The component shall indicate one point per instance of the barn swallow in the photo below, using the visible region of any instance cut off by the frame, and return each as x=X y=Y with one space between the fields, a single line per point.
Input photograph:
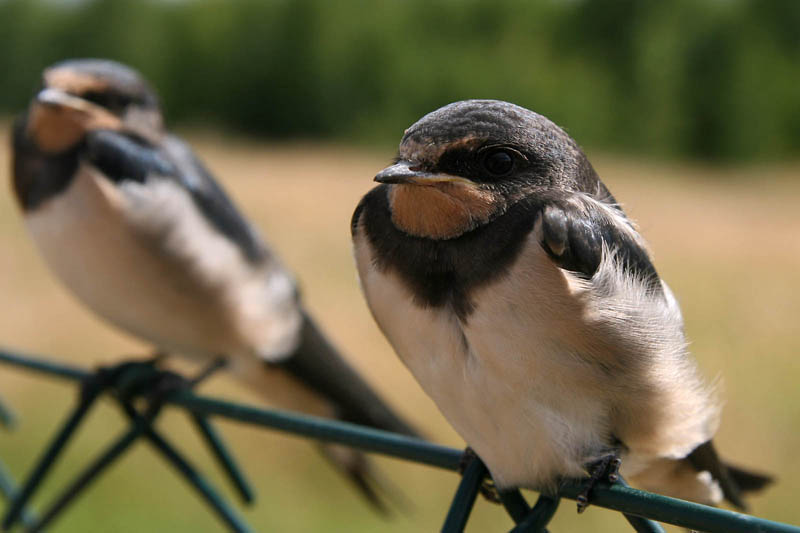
x=137 y=228
x=525 y=303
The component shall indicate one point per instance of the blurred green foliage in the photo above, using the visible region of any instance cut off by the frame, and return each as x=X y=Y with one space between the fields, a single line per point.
x=701 y=78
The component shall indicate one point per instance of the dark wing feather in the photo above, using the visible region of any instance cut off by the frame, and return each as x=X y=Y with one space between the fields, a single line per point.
x=124 y=157
x=319 y=366
x=574 y=236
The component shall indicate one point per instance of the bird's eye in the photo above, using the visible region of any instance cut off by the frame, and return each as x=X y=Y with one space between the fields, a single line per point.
x=498 y=162
x=98 y=98
x=109 y=100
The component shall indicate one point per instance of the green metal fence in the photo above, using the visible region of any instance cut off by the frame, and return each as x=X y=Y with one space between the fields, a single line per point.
x=642 y=509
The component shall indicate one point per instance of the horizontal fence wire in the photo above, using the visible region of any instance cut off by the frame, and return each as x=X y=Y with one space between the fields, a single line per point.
x=618 y=497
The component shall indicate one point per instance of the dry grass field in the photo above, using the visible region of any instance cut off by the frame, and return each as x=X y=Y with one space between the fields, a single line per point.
x=727 y=241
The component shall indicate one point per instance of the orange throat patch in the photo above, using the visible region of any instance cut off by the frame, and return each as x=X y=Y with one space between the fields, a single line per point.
x=441 y=211
x=56 y=128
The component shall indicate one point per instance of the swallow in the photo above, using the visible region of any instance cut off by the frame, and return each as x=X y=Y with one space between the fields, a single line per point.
x=526 y=304
x=134 y=224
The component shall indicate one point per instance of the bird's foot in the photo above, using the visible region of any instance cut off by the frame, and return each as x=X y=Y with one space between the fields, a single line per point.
x=607 y=468
x=127 y=375
x=142 y=378
x=487 y=489
x=154 y=388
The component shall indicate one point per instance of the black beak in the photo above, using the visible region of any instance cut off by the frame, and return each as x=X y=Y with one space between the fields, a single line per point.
x=400 y=172
x=57 y=98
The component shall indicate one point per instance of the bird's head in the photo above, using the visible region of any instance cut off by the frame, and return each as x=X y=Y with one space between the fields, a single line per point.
x=80 y=95
x=466 y=163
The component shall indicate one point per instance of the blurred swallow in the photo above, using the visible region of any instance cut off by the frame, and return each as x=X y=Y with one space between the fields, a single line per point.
x=524 y=301
x=138 y=229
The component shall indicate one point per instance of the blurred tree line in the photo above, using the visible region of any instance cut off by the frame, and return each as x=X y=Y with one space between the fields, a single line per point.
x=701 y=78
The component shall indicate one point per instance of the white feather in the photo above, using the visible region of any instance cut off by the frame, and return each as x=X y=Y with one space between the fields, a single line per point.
x=549 y=368
x=143 y=257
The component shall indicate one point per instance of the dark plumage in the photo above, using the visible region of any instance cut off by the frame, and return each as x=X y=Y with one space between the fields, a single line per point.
x=36 y=176
x=442 y=273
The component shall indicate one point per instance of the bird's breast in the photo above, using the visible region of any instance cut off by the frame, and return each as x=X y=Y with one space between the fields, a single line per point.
x=142 y=257
x=505 y=377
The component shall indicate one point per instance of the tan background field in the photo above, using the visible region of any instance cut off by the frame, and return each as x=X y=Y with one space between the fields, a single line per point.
x=727 y=240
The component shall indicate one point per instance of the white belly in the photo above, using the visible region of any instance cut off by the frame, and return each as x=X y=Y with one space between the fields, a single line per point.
x=505 y=379
x=145 y=259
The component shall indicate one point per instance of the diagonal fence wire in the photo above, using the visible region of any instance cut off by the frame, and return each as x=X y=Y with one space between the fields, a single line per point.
x=8 y=488
x=123 y=381
x=640 y=508
x=7 y=416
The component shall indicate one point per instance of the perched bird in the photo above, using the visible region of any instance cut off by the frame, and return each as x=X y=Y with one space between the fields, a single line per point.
x=524 y=301
x=138 y=229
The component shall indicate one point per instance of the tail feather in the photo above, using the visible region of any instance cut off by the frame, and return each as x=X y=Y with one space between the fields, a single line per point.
x=747 y=480
x=358 y=469
x=733 y=480
x=318 y=366
x=376 y=488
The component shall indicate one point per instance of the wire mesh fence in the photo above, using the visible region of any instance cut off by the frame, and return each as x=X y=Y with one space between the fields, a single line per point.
x=124 y=383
